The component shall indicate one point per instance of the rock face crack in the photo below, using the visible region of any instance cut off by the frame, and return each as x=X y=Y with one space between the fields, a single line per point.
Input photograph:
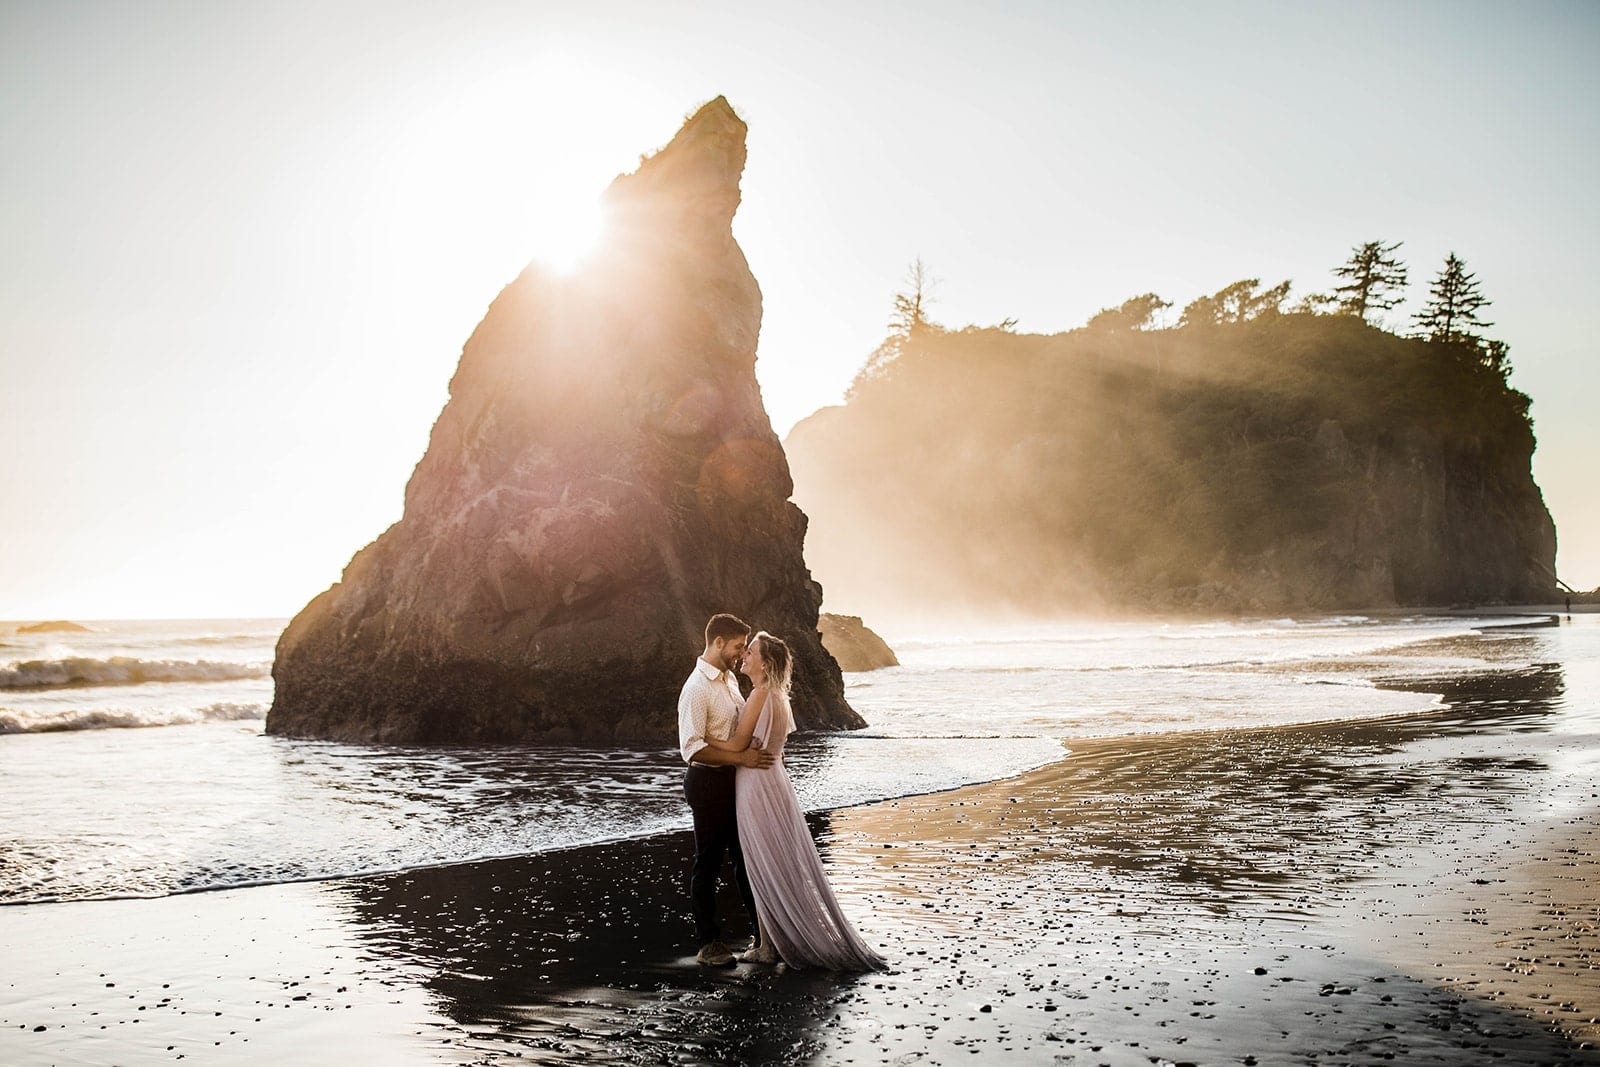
x=603 y=478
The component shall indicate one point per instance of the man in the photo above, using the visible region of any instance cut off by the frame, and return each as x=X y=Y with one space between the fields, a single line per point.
x=709 y=707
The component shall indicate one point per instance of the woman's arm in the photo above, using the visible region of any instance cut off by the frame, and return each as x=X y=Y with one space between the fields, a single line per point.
x=754 y=756
x=747 y=725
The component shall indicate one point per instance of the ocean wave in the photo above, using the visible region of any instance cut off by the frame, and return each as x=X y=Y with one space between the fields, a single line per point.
x=13 y=721
x=76 y=671
x=229 y=639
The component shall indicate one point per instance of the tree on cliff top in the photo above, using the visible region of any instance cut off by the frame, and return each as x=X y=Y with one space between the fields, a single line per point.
x=908 y=322
x=1496 y=355
x=1454 y=301
x=1316 y=304
x=1376 y=279
x=1239 y=302
x=910 y=316
x=1135 y=313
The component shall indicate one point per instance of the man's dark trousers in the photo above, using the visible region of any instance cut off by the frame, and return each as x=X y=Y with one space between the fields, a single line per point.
x=709 y=791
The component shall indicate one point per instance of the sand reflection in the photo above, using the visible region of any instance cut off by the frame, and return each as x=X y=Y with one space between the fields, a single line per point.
x=587 y=953
x=1244 y=822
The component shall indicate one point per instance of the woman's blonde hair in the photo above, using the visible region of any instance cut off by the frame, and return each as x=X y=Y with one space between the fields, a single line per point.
x=780 y=662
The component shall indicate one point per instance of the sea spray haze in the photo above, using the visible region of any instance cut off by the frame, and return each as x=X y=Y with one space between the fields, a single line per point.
x=602 y=480
x=1287 y=463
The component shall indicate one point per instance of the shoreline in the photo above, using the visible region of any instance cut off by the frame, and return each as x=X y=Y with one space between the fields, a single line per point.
x=1363 y=890
x=821 y=811
x=1369 y=673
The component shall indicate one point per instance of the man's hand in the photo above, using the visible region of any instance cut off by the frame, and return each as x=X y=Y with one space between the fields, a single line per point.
x=755 y=756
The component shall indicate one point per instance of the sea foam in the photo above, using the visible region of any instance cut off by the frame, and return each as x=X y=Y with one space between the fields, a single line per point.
x=17 y=721
x=122 y=670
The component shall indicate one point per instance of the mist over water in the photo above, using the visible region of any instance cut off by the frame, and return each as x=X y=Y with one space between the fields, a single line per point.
x=1098 y=679
x=211 y=801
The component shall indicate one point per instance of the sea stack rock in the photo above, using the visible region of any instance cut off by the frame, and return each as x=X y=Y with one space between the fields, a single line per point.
x=54 y=626
x=853 y=644
x=602 y=480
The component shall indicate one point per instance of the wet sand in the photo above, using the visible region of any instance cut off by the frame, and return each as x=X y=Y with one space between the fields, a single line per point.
x=1420 y=889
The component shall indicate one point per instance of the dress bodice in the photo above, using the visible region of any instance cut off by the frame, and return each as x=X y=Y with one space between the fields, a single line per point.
x=775 y=723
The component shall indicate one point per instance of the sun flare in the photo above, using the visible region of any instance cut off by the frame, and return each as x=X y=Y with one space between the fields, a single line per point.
x=507 y=169
x=564 y=235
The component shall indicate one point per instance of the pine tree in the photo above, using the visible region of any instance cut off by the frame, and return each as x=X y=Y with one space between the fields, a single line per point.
x=1454 y=301
x=1376 y=279
x=908 y=321
x=910 y=315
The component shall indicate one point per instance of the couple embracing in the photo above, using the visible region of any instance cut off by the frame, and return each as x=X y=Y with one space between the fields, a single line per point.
x=744 y=805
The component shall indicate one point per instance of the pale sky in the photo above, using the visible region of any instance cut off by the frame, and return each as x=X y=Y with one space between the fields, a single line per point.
x=241 y=244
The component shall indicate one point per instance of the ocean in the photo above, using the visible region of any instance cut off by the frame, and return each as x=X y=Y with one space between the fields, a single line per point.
x=134 y=762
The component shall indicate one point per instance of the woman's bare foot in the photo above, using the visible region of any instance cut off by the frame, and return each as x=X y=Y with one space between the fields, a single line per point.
x=760 y=954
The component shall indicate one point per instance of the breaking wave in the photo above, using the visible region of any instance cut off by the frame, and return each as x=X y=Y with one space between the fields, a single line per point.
x=13 y=721
x=122 y=670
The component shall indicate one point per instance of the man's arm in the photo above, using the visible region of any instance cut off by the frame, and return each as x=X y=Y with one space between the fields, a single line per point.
x=691 y=723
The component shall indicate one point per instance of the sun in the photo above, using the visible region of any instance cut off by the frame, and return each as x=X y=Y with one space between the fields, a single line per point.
x=563 y=234
x=508 y=166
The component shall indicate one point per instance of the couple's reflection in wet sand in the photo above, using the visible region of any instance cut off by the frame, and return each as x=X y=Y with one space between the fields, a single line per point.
x=586 y=952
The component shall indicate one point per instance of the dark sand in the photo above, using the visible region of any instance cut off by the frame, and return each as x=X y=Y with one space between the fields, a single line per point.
x=1420 y=889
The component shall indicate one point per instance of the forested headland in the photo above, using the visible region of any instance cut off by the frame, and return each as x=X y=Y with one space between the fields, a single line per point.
x=1255 y=455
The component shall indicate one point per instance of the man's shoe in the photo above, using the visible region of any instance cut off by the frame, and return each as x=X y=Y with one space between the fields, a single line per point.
x=715 y=954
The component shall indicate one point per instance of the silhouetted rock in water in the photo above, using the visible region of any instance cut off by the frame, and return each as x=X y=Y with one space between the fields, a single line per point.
x=855 y=647
x=603 y=479
x=1292 y=462
x=54 y=626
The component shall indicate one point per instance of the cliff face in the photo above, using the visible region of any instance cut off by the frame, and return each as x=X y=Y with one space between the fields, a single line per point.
x=1296 y=462
x=602 y=479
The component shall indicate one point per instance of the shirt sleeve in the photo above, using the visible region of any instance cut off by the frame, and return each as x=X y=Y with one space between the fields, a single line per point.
x=691 y=721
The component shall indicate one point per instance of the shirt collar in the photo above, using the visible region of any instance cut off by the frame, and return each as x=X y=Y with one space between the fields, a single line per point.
x=707 y=671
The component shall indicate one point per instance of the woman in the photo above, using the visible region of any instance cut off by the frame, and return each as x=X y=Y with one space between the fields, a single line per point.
x=799 y=918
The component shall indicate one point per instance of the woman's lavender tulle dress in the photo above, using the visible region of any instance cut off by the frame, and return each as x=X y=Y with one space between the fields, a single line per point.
x=798 y=910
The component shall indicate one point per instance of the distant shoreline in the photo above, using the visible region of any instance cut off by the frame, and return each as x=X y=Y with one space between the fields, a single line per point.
x=1590 y=603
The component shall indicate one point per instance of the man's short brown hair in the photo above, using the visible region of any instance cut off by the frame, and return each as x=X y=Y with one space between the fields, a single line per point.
x=726 y=626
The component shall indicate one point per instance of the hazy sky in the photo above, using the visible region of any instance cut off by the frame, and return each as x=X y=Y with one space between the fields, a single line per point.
x=242 y=244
